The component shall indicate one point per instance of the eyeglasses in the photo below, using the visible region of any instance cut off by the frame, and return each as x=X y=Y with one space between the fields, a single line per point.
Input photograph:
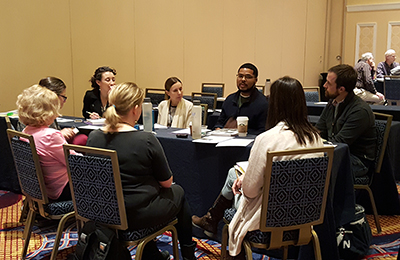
x=64 y=97
x=247 y=76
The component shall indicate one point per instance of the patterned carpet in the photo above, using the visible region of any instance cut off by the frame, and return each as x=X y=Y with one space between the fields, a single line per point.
x=385 y=245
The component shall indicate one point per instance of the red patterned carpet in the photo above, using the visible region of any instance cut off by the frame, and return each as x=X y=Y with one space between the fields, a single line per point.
x=385 y=245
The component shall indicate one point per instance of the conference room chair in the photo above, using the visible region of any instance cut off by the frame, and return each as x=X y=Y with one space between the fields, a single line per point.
x=206 y=98
x=312 y=94
x=382 y=124
x=97 y=195
x=204 y=113
x=294 y=200
x=217 y=88
x=156 y=95
x=33 y=187
x=261 y=88
x=392 y=89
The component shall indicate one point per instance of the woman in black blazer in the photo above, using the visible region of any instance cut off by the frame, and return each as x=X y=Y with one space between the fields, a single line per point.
x=95 y=101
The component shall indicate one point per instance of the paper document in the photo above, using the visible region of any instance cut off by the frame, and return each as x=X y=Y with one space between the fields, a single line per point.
x=64 y=120
x=225 y=132
x=182 y=131
x=241 y=167
x=238 y=142
x=212 y=139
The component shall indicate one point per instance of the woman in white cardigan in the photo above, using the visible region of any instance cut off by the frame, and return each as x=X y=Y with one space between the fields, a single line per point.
x=288 y=128
x=176 y=111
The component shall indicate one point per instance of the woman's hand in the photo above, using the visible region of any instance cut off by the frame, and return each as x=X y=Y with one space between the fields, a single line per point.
x=237 y=185
x=68 y=133
x=94 y=115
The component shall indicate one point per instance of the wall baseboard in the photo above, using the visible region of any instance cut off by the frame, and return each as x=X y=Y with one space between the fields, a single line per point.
x=373 y=7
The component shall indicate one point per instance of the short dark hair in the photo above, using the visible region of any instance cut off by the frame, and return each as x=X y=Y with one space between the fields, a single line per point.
x=98 y=73
x=170 y=82
x=250 y=66
x=346 y=76
x=54 y=84
x=287 y=103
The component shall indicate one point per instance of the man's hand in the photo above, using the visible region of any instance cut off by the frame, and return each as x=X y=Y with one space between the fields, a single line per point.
x=381 y=97
x=237 y=185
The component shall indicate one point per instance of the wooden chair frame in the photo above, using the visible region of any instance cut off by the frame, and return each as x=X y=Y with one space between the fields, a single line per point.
x=378 y=166
x=221 y=85
x=36 y=205
x=195 y=94
x=306 y=232
x=120 y=198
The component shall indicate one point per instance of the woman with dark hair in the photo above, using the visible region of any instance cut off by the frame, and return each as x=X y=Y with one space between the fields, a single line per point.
x=150 y=196
x=95 y=101
x=288 y=128
x=60 y=89
x=176 y=111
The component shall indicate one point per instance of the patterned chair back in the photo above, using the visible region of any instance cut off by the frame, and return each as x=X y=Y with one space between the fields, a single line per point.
x=96 y=186
x=312 y=96
x=217 y=88
x=155 y=95
x=382 y=124
x=206 y=98
x=295 y=193
x=28 y=166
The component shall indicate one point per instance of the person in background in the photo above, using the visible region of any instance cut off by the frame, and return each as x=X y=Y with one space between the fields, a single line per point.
x=95 y=101
x=288 y=128
x=38 y=107
x=365 y=87
x=386 y=66
x=247 y=101
x=58 y=86
x=150 y=196
x=348 y=119
x=176 y=111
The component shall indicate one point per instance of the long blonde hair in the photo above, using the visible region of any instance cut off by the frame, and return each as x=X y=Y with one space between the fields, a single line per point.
x=38 y=106
x=122 y=98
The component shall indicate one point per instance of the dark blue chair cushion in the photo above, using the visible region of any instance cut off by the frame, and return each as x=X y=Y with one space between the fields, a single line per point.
x=311 y=96
x=59 y=208
x=132 y=235
x=257 y=236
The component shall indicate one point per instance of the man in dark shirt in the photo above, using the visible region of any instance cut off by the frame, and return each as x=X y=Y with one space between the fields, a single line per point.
x=386 y=66
x=247 y=101
x=348 y=119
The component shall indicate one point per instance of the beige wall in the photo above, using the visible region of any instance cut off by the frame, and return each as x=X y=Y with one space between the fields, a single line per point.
x=149 y=40
x=379 y=17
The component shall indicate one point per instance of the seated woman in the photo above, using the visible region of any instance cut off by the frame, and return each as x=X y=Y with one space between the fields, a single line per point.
x=95 y=101
x=288 y=128
x=38 y=108
x=176 y=111
x=150 y=196
x=57 y=86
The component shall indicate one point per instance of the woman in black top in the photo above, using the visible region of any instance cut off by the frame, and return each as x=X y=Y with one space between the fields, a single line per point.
x=95 y=101
x=150 y=197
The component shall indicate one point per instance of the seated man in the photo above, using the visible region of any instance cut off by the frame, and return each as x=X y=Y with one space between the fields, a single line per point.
x=348 y=119
x=386 y=66
x=365 y=87
x=247 y=101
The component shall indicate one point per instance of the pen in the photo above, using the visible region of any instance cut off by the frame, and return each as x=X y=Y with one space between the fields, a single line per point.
x=90 y=113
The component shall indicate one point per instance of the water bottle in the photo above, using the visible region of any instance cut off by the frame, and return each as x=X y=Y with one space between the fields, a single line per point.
x=196 y=120
x=147 y=115
x=267 y=87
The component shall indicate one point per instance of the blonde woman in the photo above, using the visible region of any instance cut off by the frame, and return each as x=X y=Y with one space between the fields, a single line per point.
x=150 y=196
x=38 y=107
x=176 y=111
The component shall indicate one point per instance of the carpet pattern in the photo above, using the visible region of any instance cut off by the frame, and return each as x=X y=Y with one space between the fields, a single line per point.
x=384 y=245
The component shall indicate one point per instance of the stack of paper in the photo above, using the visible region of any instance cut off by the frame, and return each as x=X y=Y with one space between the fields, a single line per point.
x=241 y=167
x=225 y=132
